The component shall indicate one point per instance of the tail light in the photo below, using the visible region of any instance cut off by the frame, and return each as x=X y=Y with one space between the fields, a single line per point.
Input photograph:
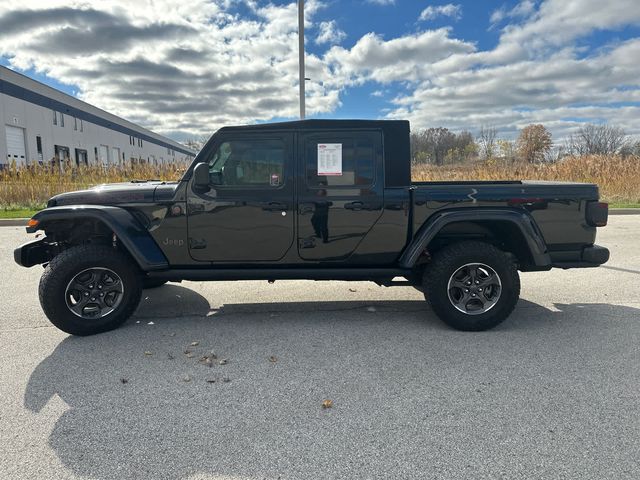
x=597 y=214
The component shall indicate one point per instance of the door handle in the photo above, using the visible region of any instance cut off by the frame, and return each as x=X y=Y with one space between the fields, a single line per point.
x=354 y=205
x=275 y=207
x=306 y=208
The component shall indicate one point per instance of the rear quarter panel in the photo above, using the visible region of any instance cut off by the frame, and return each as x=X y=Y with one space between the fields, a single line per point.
x=557 y=208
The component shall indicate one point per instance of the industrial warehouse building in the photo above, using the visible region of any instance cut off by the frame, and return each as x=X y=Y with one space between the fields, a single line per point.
x=41 y=125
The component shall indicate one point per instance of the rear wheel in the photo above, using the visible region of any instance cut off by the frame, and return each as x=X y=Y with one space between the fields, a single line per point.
x=89 y=289
x=472 y=286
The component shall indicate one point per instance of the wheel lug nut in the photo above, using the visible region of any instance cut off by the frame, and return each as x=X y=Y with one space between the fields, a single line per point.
x=473 y=294
x=99 y=286
x=86 y=294
x=477 y=282
x=466 y=290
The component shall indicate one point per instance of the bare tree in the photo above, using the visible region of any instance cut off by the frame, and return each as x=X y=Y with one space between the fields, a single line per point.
x=534 y=143
x=196 y=144
x=594 y=139
x=487 y=141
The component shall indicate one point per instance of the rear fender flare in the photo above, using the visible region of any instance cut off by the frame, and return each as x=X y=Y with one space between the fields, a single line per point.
x=522 y=220
x=130 y=233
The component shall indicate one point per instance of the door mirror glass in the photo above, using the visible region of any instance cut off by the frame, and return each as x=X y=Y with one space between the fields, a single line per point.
x=201 y=177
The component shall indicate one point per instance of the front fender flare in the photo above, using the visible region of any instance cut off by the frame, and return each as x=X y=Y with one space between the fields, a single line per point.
x=131 y=234
x=527 y=226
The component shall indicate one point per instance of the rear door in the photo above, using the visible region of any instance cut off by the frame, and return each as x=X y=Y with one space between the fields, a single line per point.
x=340 y=191
x=248 y=215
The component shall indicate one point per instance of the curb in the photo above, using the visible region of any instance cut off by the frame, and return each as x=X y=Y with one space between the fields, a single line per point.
x=624 y=211
x=13 y=222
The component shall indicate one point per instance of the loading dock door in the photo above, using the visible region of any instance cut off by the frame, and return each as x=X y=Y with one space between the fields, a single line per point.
x=104 y=155
x=15 y=145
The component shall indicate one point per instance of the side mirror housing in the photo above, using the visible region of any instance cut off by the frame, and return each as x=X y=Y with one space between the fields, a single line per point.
x=201 y=177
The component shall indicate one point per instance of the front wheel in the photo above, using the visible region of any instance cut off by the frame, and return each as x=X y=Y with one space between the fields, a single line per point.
x=472 y=286
x=89 y=289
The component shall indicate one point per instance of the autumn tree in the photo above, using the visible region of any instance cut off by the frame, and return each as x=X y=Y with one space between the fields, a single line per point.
x=534 y=143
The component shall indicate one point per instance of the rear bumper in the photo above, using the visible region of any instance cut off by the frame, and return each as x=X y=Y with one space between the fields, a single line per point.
x=592 y=256
x=32 y=253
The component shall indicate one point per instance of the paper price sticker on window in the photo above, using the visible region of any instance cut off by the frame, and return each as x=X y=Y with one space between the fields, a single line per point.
x=329 y=159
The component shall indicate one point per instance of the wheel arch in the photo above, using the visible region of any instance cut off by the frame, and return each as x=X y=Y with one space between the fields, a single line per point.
x=100 y=220
x=510 y=230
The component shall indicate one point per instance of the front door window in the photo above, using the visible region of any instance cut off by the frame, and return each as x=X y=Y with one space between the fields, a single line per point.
x=249 y=163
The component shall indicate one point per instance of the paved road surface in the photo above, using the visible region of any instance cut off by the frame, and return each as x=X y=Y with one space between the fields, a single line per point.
x=552 y=393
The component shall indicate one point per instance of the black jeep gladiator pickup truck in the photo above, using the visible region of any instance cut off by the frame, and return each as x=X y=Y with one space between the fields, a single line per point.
x=317 y=200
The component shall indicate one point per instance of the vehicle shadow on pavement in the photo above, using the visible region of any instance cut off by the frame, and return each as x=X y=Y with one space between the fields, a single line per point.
x=409 y=395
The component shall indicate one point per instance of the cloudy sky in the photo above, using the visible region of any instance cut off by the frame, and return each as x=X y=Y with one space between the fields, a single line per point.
x=186 y=67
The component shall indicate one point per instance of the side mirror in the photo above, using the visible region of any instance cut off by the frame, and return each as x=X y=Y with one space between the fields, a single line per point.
x=215 y=178
x=201 y=177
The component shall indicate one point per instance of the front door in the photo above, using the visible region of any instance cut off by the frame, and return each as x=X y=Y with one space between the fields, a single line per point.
x=248 y=215
x=340 y=197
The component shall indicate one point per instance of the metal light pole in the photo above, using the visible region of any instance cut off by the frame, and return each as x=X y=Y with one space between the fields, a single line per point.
x=301 y=56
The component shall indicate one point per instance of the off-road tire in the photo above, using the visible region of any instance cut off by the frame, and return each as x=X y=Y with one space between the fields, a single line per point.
x=65 y=266
x=451 y=258
x=148 y=283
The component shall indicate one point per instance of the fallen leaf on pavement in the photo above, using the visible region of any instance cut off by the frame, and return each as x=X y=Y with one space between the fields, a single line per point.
x=224 y=361
x=327 y=404
x=186 y=379
x=148 y=353
x=195 y=344
x=273 y=359
x=211 y=380
x=124 y=380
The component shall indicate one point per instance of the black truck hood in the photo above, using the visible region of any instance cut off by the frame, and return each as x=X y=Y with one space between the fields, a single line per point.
x=111 y=194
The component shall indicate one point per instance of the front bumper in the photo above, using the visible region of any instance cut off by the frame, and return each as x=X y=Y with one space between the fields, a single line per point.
x=592 y=256
x=32 y=253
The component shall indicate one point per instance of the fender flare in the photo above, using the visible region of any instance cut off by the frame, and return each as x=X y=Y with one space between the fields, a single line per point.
x=522 y=220
x=131 y=234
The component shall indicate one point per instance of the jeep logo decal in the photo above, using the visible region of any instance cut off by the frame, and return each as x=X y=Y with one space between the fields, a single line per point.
x=171 y=242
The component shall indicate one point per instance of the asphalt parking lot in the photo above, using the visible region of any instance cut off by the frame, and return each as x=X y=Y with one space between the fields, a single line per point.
x=553 y=392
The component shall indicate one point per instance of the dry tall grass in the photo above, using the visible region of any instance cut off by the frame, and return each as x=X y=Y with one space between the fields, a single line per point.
x=31 y=187
x=617 y=177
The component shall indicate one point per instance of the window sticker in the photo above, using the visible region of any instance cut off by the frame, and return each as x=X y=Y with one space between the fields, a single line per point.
x=275 y=180
x=330 y=159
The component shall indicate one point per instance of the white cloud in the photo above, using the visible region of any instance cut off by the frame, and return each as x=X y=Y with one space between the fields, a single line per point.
x=448 y=10
x=180 y=68
x=535 y=74
x=407 y=58
x=188 y=69
x=521 y=10
x=329 y=33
